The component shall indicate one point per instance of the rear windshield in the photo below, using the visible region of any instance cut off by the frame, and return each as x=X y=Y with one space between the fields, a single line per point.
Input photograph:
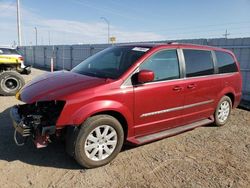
x=8 y=51
x=111 y=62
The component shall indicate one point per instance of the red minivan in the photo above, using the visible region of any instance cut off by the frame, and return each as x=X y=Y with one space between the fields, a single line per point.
x=129 y=93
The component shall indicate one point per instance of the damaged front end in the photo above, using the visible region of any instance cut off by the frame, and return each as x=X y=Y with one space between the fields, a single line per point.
x=36 y=120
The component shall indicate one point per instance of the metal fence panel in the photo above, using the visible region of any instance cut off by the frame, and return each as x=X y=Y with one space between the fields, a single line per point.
x=68 y=56
x=63 y=57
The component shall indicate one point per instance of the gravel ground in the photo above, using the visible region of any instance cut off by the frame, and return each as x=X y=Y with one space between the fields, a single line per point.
x=205 y=157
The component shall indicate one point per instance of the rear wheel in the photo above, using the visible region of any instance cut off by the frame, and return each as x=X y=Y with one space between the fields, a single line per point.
x=223 y=111
x=10 y=83
x=99 y=141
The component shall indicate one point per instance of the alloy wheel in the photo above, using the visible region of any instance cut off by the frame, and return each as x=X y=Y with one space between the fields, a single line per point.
x=223 y=112
x=101 y=143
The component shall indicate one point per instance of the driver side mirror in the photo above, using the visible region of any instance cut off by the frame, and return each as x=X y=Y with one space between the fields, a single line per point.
x=145 y=76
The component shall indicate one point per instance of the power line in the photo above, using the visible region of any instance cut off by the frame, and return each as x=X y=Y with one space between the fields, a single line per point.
x=191 y=28
x=7 y=7
x=208 y=30
x=245 y=34
x=114 y=12
x=107 y=10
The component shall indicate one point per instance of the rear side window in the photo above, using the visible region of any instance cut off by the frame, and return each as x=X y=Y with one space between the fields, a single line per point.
x=164 y=64
x=225 y=62
x=198 y=62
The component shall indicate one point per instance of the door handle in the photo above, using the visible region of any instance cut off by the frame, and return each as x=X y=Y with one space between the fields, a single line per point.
x=191 y=86
x=177 y=88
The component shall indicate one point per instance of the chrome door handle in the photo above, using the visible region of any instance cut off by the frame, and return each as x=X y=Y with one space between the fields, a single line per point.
x=191 y=86
x=177 y=88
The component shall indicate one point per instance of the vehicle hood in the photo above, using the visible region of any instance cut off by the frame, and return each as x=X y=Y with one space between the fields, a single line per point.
x=54 y=86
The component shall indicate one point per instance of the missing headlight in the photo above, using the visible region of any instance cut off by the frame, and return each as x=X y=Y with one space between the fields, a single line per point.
x=37 y=120
x=42 y=114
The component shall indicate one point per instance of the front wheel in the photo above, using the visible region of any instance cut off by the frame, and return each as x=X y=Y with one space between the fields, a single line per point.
x=223 y=111
x=99 y=141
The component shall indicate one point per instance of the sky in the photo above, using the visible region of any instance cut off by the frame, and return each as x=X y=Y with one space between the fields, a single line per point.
x=79 y=21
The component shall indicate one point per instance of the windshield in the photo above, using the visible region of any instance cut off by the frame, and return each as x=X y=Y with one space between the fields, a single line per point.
x=111 y=62
x=8 y=51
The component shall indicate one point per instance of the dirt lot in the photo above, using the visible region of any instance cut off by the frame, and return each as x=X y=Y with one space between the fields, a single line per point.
x=205 y=157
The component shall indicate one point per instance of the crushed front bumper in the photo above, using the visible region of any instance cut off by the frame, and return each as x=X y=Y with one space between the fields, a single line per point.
x=18 y=123
x=41 y=137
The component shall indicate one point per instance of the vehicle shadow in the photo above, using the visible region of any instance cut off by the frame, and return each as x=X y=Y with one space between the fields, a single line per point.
x=52 y=156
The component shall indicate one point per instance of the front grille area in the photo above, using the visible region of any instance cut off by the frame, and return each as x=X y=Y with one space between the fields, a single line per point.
x=41 y=114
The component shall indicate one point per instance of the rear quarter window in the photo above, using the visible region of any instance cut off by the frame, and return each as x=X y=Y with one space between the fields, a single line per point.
x=225 y=62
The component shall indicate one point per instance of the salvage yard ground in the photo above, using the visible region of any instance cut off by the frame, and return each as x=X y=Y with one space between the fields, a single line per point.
x=205 y=157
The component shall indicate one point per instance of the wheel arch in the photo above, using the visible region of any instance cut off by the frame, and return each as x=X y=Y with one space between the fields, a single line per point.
x=113 y=108
x=73 y=131
x=231 y=96
x=228 y=91
x=122 y=120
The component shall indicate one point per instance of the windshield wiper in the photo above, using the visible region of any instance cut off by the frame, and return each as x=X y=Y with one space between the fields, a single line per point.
x=94 y=74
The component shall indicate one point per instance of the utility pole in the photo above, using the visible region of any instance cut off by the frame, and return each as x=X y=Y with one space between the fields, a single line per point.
x=49 y=37
x=36 y=35
x=19 y=24
x=106 y=20
x=226 y=34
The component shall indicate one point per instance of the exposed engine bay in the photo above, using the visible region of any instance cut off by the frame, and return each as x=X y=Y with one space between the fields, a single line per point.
x=36 y=120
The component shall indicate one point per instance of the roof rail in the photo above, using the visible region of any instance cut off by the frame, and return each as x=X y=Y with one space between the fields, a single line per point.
x=172 y=42
x=9 y=47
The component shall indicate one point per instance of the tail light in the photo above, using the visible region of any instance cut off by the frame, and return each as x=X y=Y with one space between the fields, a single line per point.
x=20 y=58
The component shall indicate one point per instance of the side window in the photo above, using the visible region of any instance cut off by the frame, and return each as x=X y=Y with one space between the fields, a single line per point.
x=164 y=64
x=225 y=62
x=198 y=62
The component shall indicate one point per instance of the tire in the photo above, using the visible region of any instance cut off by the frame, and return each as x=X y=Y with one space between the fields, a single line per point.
x=26 y=70
x=10 y=83
x=103 y=148
x=223 y=111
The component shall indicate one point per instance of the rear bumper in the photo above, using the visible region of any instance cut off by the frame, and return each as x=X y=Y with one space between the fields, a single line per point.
x=237 y=99
x=26 y=70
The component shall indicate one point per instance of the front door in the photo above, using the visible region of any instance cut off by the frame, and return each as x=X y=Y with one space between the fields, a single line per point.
x=158 y=103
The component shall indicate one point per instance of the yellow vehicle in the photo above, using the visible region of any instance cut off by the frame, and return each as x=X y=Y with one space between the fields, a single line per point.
x=11 y=66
